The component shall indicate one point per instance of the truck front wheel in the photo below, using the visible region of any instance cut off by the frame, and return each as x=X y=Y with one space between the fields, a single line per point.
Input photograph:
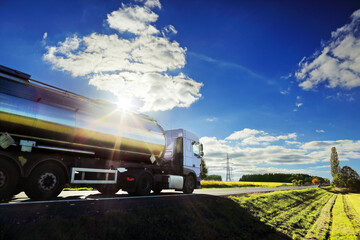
x=9 y=178
x=144 y=184
x=45 y=182
x=189 y=184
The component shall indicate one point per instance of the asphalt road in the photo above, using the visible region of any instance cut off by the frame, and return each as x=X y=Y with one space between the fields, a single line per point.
x=76 y=196
x=72 y=204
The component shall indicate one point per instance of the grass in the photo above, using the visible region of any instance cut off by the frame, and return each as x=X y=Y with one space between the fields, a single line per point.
x=318 y=213
x=321 y=229
x=207 y=184
x=219 y=184
x=291 y=212
x=78 y=189
x=352 y=210
x=341 y=227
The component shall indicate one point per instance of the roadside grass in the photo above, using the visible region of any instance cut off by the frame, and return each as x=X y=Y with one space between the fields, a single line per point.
x=191 y=218
x=317 y=213
x=219 y=184
x=321 y=229
x=290 y=212
x=78 y=189
x=352 y=210
x=341 y=227
x=207 y=184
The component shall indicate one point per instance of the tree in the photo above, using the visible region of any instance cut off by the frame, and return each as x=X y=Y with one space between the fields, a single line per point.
x=203 y=170
x=315 y=181
x=294 y=182
x=338 y=180
x=334 y=162
x=214 y=178
x=351 y=178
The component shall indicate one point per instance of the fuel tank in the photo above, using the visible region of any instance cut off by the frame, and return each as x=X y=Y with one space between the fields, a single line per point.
x=31 y=110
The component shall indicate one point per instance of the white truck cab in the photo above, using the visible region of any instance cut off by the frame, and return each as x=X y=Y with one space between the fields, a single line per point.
x=191 y=150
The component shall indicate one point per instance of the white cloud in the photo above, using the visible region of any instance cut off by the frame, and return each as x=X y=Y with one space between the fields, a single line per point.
x=256 y=137
x=256 y=159
x=287 y=76
x=338 y=63
x=153 y=4
x=177 y=90
x=342 y=97
x=133 y=19
x=45 y=35
x=211 y=119
x=299 y=104
x=319 y=131
x=135 y=68
x=293 y=142
x=169 y=29
x=245 y=133
x=285 y=92
x=322 y=166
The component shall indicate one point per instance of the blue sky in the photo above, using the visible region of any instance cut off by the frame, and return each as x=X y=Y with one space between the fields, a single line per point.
x=274 y=84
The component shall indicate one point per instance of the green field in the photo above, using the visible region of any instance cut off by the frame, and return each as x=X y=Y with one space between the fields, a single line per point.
x=307 y=214
x=219 y=184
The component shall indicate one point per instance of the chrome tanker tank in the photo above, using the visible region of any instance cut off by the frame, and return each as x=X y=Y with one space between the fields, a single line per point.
x=58 y=119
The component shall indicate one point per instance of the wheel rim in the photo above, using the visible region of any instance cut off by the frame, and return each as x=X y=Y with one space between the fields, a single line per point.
x=2 y=178
x=47 y=181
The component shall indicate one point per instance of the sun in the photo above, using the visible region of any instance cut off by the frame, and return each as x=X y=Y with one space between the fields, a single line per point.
x=124 y=103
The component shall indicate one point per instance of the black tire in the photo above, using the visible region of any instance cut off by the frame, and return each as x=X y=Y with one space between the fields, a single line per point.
x=132 y=193
x=19 y=188
x=189 y=184
x=157 y=189
x=9 y=178
x=108 y=189
x=144 y=184
x=45 y=182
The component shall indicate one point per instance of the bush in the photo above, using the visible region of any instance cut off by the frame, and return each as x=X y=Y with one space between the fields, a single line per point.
x=213 y=177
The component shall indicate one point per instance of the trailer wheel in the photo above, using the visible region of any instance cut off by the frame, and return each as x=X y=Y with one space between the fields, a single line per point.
x=157 y=189
x=132 y=193
x=9 y=178
x=189 y=184
x=108 y=189
x=144 y=184
x=45 y=182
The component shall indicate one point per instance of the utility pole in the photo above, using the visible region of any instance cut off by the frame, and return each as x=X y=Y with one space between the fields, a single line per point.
x=228 y=168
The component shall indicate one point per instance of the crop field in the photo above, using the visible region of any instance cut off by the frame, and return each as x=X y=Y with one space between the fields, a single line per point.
x=307 y=214
x=218 y=184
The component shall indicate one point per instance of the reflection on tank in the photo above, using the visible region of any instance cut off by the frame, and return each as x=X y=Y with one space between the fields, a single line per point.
x=67 y=120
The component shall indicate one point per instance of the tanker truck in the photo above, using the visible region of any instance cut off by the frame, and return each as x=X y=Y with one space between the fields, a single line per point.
x=50 y=137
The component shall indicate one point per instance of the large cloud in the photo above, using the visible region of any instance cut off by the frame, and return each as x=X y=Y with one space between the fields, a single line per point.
x=137 y=67
x=249 y=158
x=338 y=63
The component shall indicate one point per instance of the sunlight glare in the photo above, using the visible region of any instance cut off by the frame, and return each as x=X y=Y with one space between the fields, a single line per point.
x=124 y=103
